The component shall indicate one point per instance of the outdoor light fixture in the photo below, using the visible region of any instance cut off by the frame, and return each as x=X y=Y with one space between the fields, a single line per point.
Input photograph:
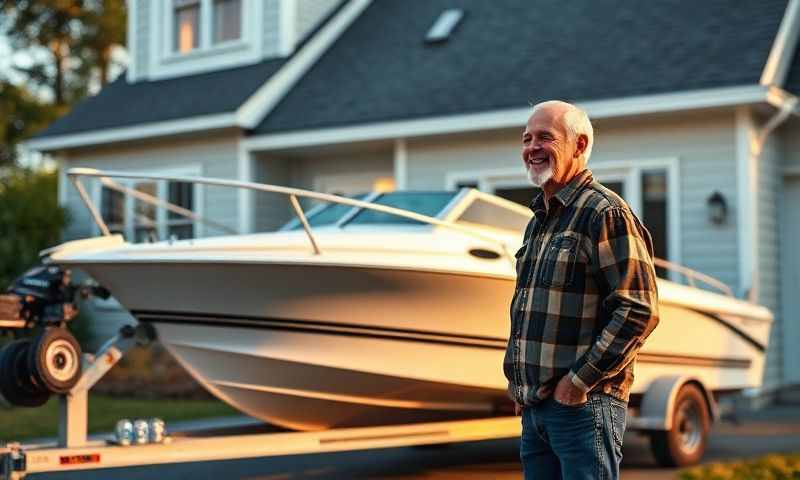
x=717 y=208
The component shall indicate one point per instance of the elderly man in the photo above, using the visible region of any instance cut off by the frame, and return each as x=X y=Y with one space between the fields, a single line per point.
x=585 y=302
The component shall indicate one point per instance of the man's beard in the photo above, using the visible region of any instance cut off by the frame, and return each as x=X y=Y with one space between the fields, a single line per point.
x=539 y=179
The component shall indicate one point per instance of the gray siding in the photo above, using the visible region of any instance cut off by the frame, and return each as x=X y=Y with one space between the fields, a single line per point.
x=790 y=137
x=272 y=25
x=271 y=210
x=215 y=155
x=704 y=146
x=309 y=13
x=345 y=173
x=769 y=186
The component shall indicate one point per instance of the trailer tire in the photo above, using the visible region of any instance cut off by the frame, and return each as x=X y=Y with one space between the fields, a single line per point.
x=54 y=359
x=16 y=383
x=685 y=442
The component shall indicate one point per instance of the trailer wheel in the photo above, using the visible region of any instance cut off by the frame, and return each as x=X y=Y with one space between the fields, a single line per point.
x=55 y=360
x=16 y=382
x=685 y=442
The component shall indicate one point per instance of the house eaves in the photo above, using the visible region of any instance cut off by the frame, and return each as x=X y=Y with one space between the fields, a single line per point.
x=245 y=116
x=515 y=117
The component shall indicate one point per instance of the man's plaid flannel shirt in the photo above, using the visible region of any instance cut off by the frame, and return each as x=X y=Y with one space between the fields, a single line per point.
x=586 y=295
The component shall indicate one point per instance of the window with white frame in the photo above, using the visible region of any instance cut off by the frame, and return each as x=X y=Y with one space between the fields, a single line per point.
x=227 y=19
x=650 y=187
x=142 y=221
x=186 y=25
x=193 y=18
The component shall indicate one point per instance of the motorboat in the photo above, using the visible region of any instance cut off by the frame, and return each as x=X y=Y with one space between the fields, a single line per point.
x=382 y=308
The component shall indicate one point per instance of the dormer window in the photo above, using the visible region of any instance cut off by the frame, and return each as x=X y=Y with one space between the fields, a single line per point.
x=203 y=24
x=187 y=25
x=227 y=20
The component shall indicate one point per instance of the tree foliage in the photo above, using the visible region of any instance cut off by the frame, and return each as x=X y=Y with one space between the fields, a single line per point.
x=69 y=45
x=21 y=115
x=30 y=220
x=77 y=37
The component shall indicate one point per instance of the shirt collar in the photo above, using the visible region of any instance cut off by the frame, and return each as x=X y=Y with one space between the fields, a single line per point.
x=567 y=194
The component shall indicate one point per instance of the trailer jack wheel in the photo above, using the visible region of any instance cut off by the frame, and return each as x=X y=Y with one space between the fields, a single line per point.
x=16 y=381
x=685 y=442
x=54 y=359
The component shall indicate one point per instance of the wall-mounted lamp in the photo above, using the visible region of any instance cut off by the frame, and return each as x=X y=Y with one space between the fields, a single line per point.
x=717 y=208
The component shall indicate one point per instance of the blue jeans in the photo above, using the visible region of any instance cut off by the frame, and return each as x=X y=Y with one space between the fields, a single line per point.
x=575 y=443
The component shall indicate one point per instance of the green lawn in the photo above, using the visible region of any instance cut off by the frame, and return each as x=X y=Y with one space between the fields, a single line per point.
x=24 y=423
x=768 y=467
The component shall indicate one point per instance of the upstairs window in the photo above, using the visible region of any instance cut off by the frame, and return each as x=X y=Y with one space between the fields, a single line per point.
x=227 y=20
x=203 y=24
x=187 y=25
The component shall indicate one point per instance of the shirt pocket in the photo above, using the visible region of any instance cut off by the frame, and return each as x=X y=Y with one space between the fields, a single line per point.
x=558 y=261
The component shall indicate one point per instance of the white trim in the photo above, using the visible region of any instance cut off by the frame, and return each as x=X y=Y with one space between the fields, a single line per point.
x=63 y=183
x=401 y=164
x=287 y=27
x=130 y=39
x=253 y=111
x=627 y=171
x=111 y=135
x=782 y=52
x=746 y=178
x=246 y=199
x=258 y=105
x=164 y=62
x=510 y=118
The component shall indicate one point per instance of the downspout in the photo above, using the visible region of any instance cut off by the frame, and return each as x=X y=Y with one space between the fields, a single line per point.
x=788 y=105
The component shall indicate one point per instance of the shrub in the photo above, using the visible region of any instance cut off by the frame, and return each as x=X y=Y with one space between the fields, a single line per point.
x=30 y=220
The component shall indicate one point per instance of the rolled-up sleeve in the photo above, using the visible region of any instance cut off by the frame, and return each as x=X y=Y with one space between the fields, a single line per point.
x=624 y=267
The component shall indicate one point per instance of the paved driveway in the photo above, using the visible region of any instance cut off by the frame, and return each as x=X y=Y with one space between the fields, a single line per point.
x=775 y=430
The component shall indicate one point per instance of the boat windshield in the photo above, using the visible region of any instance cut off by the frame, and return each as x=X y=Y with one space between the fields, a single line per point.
x=327 y=214
x=425 y=203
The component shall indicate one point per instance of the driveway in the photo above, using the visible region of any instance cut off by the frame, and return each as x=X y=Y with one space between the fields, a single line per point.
x=773 y=430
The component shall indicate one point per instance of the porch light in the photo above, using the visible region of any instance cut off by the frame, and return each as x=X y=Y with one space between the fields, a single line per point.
x=717 y=208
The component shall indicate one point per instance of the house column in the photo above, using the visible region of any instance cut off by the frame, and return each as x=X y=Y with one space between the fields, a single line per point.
x=400 y=164
x=246 y=196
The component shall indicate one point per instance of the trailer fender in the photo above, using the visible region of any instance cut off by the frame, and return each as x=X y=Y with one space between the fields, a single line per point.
x=655 y=412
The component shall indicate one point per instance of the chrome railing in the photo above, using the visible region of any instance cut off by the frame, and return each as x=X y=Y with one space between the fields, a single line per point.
x=75 y=175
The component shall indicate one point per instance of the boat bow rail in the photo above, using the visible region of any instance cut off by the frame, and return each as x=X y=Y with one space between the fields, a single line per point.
x=75 y=174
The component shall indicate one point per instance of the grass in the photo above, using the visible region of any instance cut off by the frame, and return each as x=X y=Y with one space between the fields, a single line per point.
x=768 y=467
x=26 y=423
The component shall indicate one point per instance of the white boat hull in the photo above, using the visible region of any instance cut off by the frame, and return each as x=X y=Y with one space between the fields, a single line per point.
x=311 y=346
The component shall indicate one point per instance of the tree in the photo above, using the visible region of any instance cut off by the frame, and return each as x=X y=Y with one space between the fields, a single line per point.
x=104 y=28
x=77 y=37
x=30 y=220
x=21 y=115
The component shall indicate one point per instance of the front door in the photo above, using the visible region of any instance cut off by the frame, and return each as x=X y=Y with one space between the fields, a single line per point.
x=790 y=280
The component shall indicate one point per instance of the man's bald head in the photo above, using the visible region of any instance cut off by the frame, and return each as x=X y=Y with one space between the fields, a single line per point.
x=574 y=120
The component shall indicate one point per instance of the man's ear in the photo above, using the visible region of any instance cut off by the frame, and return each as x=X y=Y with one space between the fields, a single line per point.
x=580 y=145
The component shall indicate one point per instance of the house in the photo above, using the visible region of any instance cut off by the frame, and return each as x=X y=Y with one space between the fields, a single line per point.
x=694 y=105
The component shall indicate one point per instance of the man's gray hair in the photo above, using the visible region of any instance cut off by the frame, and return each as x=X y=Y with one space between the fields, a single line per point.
x=576 y=121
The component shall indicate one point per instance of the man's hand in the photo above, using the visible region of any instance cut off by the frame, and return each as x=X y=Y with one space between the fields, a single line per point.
x=517 y=409
x=568 y=394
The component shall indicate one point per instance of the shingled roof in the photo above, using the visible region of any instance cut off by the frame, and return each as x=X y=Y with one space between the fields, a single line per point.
x=502 y=54
x=507 y=53
x=123 y=104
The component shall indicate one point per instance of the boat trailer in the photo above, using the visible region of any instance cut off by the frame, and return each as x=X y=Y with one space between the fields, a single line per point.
x=51 y=363
x=74 y=451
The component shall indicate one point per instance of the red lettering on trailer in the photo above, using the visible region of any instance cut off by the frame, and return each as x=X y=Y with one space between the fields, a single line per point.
x=79 y=459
